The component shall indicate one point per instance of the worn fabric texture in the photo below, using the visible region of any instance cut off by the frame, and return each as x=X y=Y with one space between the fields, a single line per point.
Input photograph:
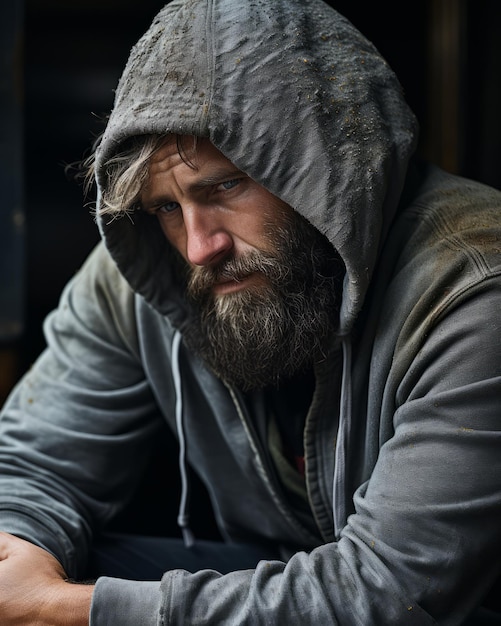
x=402 y=440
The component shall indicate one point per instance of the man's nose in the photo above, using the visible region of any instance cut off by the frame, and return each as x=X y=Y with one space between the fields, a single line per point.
x=207 y=239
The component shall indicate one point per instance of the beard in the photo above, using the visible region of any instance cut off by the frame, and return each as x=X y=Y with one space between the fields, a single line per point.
x=277 y=326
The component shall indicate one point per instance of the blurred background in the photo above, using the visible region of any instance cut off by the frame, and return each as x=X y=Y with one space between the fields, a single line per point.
x=61 y=61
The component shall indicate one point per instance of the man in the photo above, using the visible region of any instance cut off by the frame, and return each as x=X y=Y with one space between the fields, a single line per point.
x=313 y=313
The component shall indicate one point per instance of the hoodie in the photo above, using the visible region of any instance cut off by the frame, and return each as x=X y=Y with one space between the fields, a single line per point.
x=402 y=438
x=212 y=69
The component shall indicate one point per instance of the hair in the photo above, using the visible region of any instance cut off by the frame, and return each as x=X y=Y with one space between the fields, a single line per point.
x=127 y=171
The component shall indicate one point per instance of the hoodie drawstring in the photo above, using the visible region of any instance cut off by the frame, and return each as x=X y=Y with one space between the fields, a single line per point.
x=183 y=517
x=343 y=437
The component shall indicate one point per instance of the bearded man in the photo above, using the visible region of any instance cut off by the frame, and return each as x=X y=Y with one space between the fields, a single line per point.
x=314 y=314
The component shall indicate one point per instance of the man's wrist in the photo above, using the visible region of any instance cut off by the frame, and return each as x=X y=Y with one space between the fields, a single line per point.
x=68 y=604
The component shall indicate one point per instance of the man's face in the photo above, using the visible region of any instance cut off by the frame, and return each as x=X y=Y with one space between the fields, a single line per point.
x=264 y=284
x=209 y=210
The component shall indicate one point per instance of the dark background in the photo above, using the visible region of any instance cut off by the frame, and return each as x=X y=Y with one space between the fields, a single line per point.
x=71 y=53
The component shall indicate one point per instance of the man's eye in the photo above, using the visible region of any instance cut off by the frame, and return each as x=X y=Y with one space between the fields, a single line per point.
x=167 y=207
x=229 y=184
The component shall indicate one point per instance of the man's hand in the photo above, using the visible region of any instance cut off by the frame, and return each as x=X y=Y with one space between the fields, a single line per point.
x=34 y=590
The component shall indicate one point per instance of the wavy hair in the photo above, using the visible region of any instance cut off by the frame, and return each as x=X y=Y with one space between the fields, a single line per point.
x=127 y=171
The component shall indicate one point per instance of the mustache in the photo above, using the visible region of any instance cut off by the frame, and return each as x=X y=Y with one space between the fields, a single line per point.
x=202 y=279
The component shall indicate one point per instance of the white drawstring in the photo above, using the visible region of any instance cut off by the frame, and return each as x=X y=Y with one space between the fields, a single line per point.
x=183 y=517
x=339 y=487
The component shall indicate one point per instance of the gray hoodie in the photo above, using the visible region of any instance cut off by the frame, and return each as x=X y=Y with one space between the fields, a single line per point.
x=402 y=440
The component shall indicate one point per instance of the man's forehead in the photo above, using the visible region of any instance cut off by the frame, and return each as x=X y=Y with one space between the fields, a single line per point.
x=193 y=151
x=193 y=163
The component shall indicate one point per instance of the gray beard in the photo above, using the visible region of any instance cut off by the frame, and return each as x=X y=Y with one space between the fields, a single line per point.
x=265 y=333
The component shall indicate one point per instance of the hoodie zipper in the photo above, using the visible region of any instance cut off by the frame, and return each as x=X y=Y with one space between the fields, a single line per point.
x=264 y=471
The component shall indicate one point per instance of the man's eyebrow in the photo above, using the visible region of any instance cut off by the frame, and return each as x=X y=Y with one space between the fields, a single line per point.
x=215 y=177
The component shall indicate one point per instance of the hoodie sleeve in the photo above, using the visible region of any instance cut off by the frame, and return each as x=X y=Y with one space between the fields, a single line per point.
x=82 y=408
x=125 y=602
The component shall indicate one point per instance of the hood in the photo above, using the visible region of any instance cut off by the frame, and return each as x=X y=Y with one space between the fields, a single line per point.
x=295 y=97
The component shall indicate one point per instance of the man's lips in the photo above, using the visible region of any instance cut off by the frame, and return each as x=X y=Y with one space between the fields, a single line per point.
x=230 y=285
